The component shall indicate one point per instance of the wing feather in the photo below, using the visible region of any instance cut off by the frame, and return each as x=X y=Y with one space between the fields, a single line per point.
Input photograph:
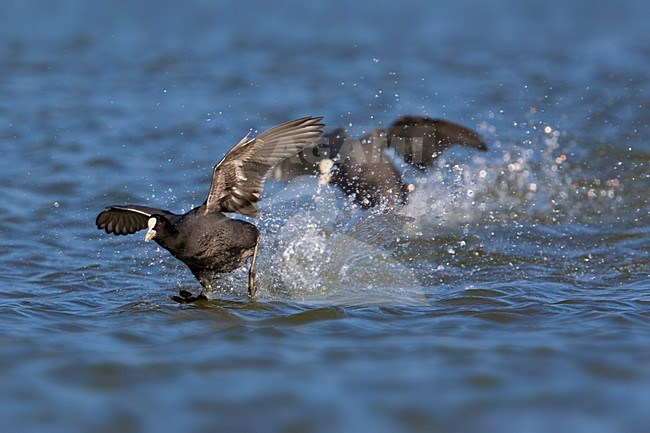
x=420 y=140
x=126 y=219
x=238 y=178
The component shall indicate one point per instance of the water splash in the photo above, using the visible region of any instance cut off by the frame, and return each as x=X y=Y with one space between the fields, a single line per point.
x=532 y=181
x=318 y=247
x=317 y=250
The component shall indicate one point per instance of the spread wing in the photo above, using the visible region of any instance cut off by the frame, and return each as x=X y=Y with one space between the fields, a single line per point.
x=127 y=219
x=420 y=140
x=238 y=178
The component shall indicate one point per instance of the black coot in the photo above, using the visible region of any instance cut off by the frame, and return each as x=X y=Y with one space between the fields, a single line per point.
x=362 y=169
x=205 y=239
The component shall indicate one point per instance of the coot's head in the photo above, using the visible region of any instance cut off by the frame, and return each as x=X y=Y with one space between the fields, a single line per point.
x=325 y=167
x=157 y=227
x=407 y=189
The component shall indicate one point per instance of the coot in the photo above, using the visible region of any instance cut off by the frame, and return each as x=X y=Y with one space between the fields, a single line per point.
x=362 y=169
x=205 y=239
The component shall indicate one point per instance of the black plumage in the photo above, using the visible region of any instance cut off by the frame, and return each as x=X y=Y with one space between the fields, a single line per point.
x=205 y=239
x=362 y=169
x=421 y=140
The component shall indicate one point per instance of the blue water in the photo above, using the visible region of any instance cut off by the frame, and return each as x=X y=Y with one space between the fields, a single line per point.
x=510 y=294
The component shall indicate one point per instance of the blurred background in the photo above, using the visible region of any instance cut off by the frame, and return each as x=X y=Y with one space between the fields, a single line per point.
x=510 y=294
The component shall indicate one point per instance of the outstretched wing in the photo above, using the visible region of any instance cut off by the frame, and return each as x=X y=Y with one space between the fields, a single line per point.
x=238 y=178
x=126 y=219
x=420 y=140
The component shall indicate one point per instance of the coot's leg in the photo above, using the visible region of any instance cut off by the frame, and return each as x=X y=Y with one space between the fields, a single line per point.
x=186 y=297
x=206 y=282
x=251 y=271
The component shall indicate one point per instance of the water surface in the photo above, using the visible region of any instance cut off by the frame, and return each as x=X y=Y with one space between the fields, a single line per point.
x=510 y=294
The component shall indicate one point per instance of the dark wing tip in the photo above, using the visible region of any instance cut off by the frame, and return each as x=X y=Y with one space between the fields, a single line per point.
x=470 y=138
x=304 y=121
x=124 y=220
x=411 y=120
x=315 y=121
x=101 y=219
x=105 y=221
x=312 y=119
x=447 y=130
x=481 y=145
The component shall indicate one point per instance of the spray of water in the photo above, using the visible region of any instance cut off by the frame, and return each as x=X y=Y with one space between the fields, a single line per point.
x=318 y=247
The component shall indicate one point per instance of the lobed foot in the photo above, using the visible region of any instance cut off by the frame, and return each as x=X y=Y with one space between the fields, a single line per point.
x=186 y=297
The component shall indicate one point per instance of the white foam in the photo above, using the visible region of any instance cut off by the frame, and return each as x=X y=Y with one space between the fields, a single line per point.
x=318 y=247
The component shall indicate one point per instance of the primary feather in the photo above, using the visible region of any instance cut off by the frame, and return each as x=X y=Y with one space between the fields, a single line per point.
x=127 y=219
x=238 y=178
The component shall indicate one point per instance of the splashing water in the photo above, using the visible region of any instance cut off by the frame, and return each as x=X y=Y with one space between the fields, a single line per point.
x=319 y=248
x=332 y=254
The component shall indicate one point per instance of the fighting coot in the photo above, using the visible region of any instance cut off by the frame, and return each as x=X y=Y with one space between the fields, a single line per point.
x=206 y=240
x=362 y=169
